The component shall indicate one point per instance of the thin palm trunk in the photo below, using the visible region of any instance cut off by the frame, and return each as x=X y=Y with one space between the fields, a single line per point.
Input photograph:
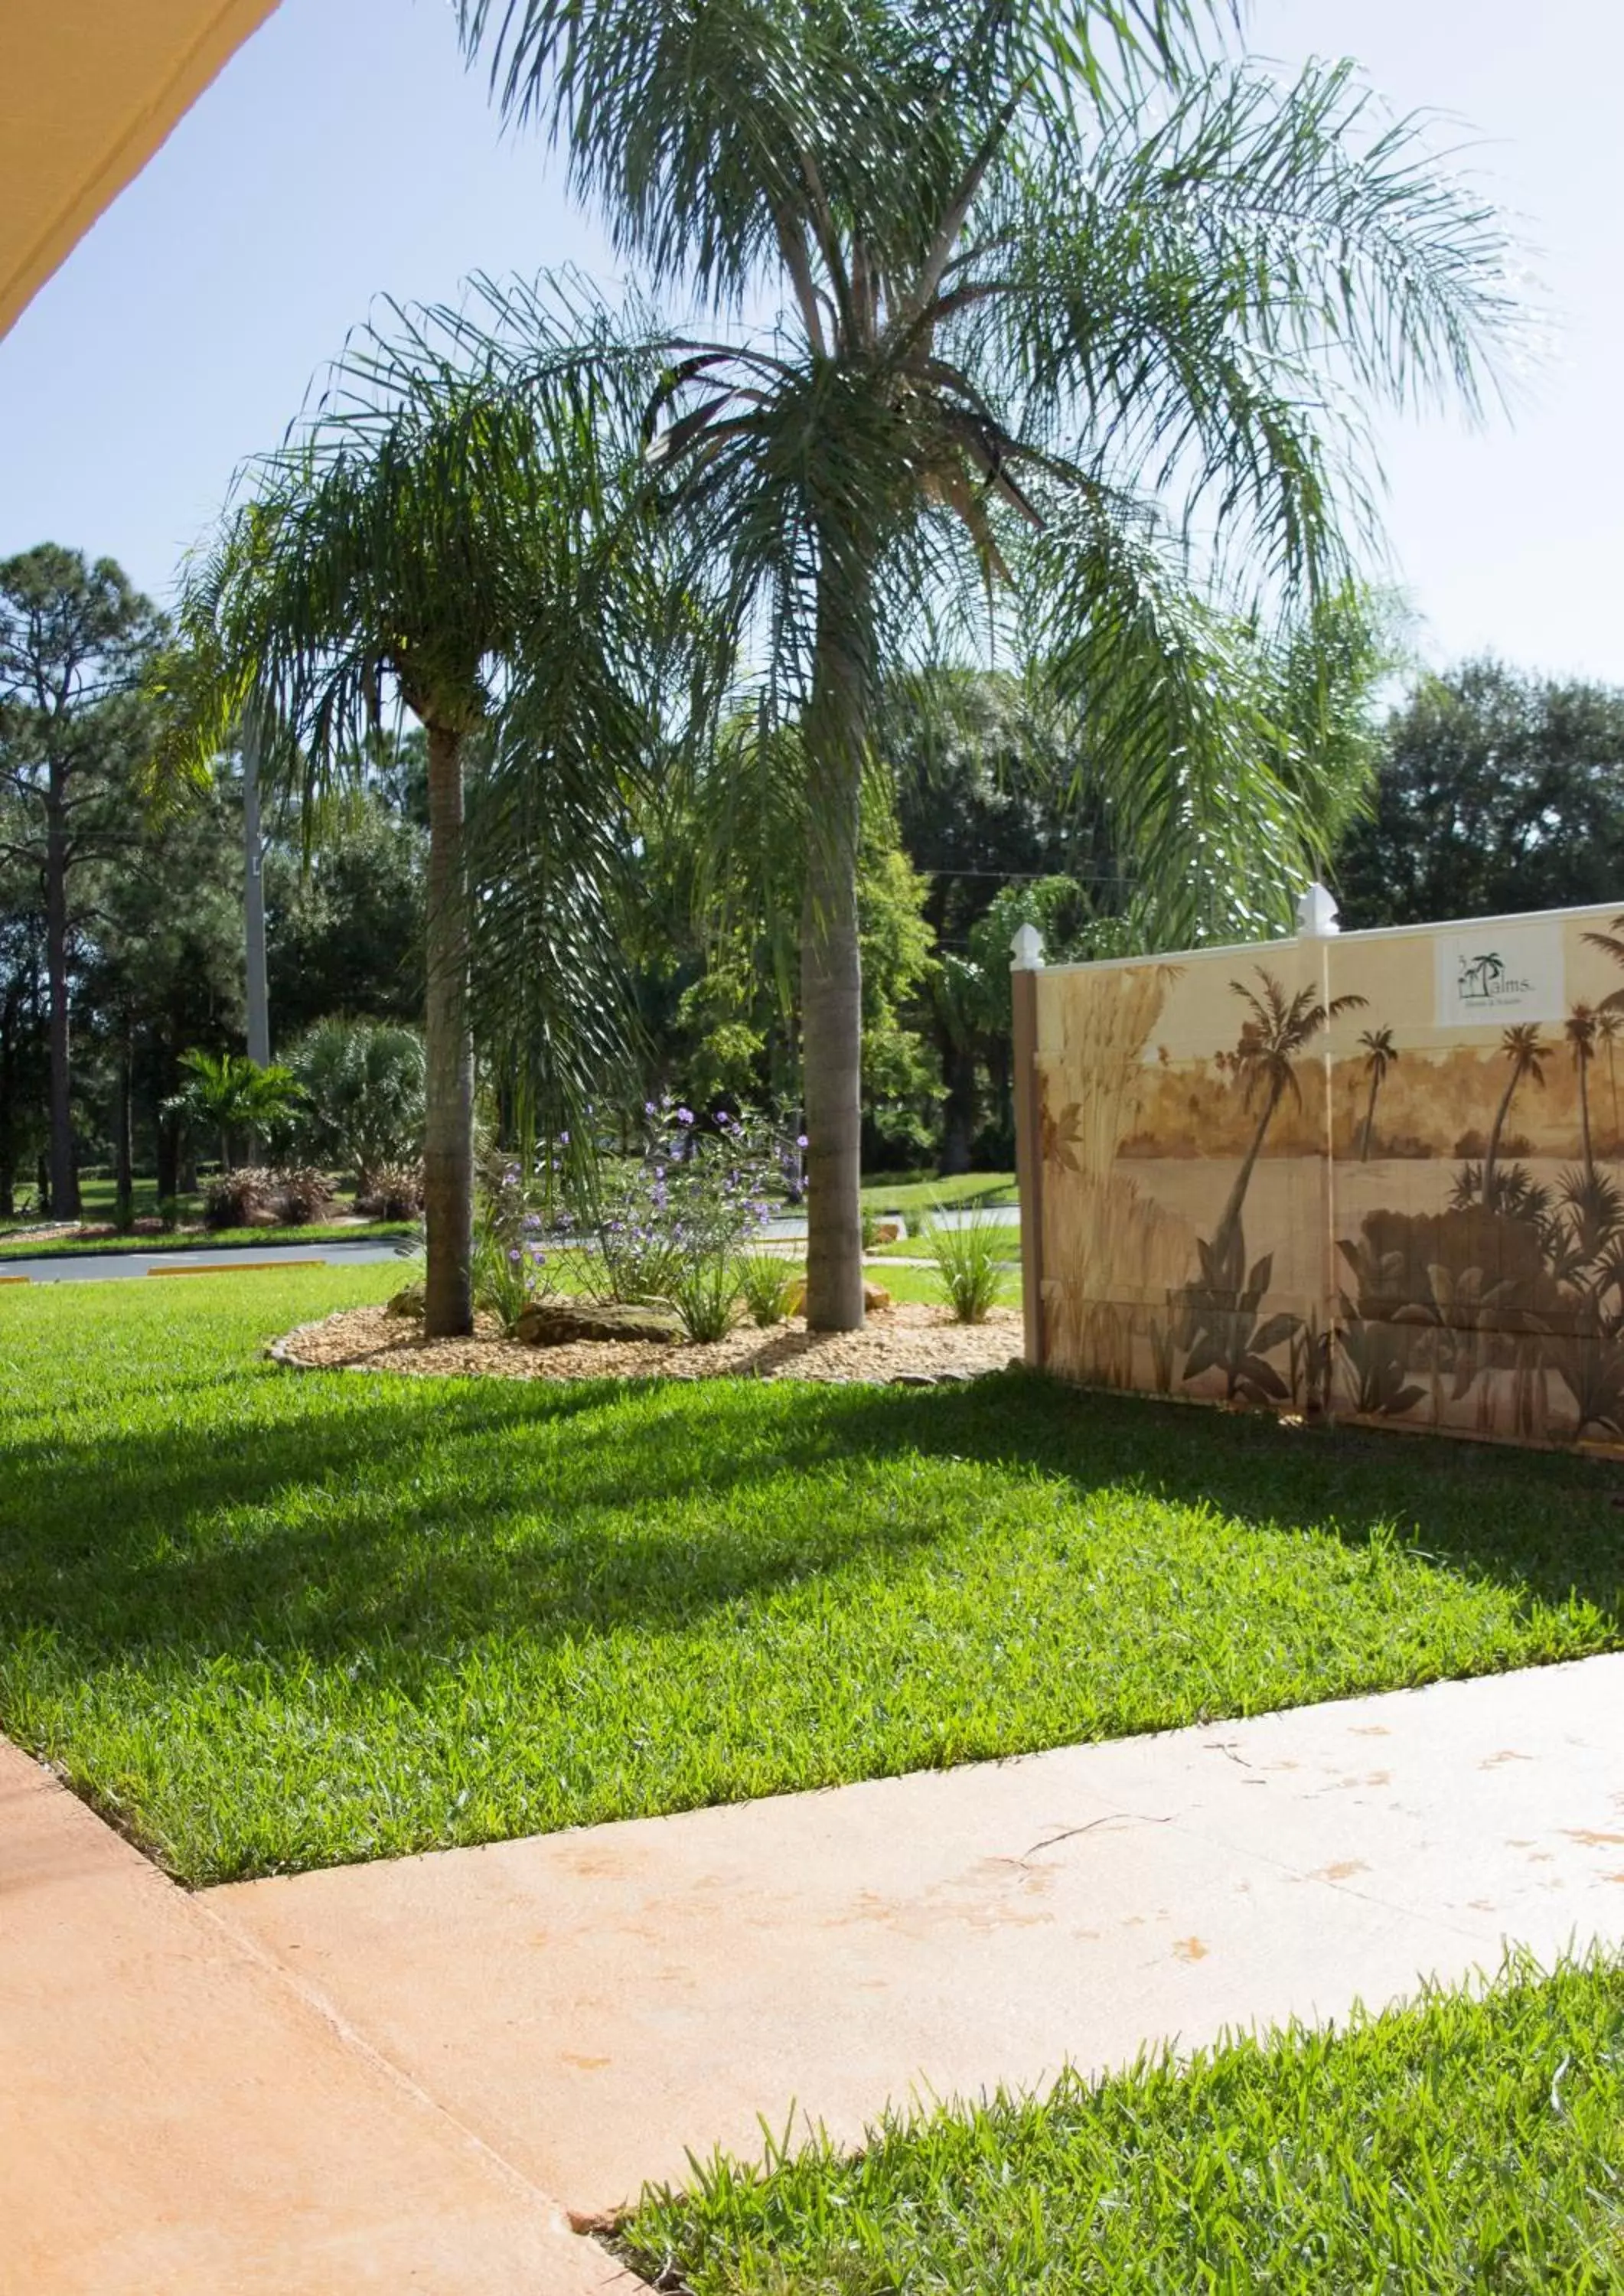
x=64 y=1176
x=1491 y=1160
x=1230 y=1220
x=831 y=963
x=1584 y=1117
x=1370 y=1113
x=124 y=1162
x=449 y=1080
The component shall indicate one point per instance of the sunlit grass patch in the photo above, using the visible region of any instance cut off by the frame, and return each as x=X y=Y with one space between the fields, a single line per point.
x=273 y=1621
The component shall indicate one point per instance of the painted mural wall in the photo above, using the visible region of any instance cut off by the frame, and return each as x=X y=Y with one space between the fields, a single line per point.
x=1380 y=1174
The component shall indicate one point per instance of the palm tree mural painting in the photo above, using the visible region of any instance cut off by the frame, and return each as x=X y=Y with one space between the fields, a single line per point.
x=1579 y=1029
x=1525 y=1048
x=1221 y=1328
x=1609 y=1029
x=1277 y=1032
x=1379 y=1054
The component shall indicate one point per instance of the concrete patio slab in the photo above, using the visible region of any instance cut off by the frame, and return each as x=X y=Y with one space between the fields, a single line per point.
x=593 y=2003
x=174 y=2116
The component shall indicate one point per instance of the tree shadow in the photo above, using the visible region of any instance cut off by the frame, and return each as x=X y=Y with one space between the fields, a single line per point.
x=422 y=1515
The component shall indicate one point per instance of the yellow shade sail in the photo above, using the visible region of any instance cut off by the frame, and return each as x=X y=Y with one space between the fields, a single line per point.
x=88 y=91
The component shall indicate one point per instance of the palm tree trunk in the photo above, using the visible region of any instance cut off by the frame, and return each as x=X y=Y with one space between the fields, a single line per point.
x=831 y=963
x=64 y=1178
x=959 y=1108
x=448 y=1079
x=1370 y=1113
x=1584 y=1118
x=124 y=1162
x=1230 y=1219
x=1492 y=1159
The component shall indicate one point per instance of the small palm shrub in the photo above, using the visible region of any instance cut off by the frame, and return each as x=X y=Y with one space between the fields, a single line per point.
x=363 y=1087
x=968 y=1262
x=770 y=1287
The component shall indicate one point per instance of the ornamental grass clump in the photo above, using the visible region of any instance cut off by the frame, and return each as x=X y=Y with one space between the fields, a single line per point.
x=770 y=1287
x=968 y=1259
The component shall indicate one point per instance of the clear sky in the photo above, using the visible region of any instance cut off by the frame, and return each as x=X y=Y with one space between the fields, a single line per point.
x=345 y=151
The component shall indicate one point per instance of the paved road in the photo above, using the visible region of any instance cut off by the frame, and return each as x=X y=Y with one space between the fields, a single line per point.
x=105 y=1267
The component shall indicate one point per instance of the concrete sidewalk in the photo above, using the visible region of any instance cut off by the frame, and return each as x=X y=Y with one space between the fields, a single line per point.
x=177 y=2117
x=591 y=2003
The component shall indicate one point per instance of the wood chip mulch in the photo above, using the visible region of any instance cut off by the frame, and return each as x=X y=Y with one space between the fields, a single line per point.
x=906 y=1343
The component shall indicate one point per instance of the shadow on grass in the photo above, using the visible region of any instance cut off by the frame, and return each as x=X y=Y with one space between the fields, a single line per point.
x=426 y=1514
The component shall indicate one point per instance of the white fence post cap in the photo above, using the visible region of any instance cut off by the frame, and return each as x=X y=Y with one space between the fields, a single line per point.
x=1027 y=948
x=1317 y=915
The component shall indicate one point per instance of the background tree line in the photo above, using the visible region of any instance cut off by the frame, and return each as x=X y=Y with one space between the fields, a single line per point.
x=121 y=935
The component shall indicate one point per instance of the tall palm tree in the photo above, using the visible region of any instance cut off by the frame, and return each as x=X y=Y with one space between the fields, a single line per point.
x=1609 y=1029
x=1525 y=1048
x=1380 y=1053
x=1036 y=276
x=1277 y=1030
x=1579 y=1029
x=428 y=536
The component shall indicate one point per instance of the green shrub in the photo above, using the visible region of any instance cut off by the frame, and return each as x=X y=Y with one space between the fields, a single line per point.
x=968 y=1262
x=705 y=1293
x=768 y=1285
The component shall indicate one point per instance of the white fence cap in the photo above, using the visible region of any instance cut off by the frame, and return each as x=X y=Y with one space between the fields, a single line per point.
x=1317 y=915
x=1027 y=948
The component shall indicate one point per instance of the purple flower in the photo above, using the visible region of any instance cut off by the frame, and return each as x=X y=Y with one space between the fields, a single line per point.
x=564 y=1139
x=801 y=1140
x=514 y=1258
x=685 y=1116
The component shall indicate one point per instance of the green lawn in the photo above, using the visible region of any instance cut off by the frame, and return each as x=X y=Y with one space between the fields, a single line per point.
x=230 y=1239
x=1469 y=2143
x=914 y=1196
x=273 y=1621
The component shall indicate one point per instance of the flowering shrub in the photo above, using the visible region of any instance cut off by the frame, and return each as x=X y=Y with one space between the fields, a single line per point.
x=670 y=1224
x=510 y=1262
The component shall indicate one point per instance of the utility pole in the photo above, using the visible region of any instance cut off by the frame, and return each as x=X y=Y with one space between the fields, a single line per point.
x=253 y=877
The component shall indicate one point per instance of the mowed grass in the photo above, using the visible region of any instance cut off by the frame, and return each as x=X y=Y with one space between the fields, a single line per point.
x=1471 y=2143
x=269 y=1620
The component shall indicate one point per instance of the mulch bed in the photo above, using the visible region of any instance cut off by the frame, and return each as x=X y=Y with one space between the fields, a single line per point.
x=915 y=1345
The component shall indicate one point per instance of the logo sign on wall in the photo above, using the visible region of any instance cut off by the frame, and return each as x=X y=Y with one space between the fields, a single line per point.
x=1497 y=974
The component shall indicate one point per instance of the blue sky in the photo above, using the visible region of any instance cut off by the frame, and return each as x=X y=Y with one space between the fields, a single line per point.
x=345 y=151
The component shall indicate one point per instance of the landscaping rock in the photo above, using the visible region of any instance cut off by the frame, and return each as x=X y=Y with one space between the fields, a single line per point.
x=561 y=1323
x=876 y=1299
x=409 y=1302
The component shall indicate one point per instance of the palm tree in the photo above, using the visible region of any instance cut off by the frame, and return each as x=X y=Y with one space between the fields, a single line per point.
x=1579 y=1029
x=427 y=534
x=235 y=1095
x=1036 y=277
x=1609 y=1029
x=1277 y=1030
x=1525 y=1048
x=1380 y=1053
